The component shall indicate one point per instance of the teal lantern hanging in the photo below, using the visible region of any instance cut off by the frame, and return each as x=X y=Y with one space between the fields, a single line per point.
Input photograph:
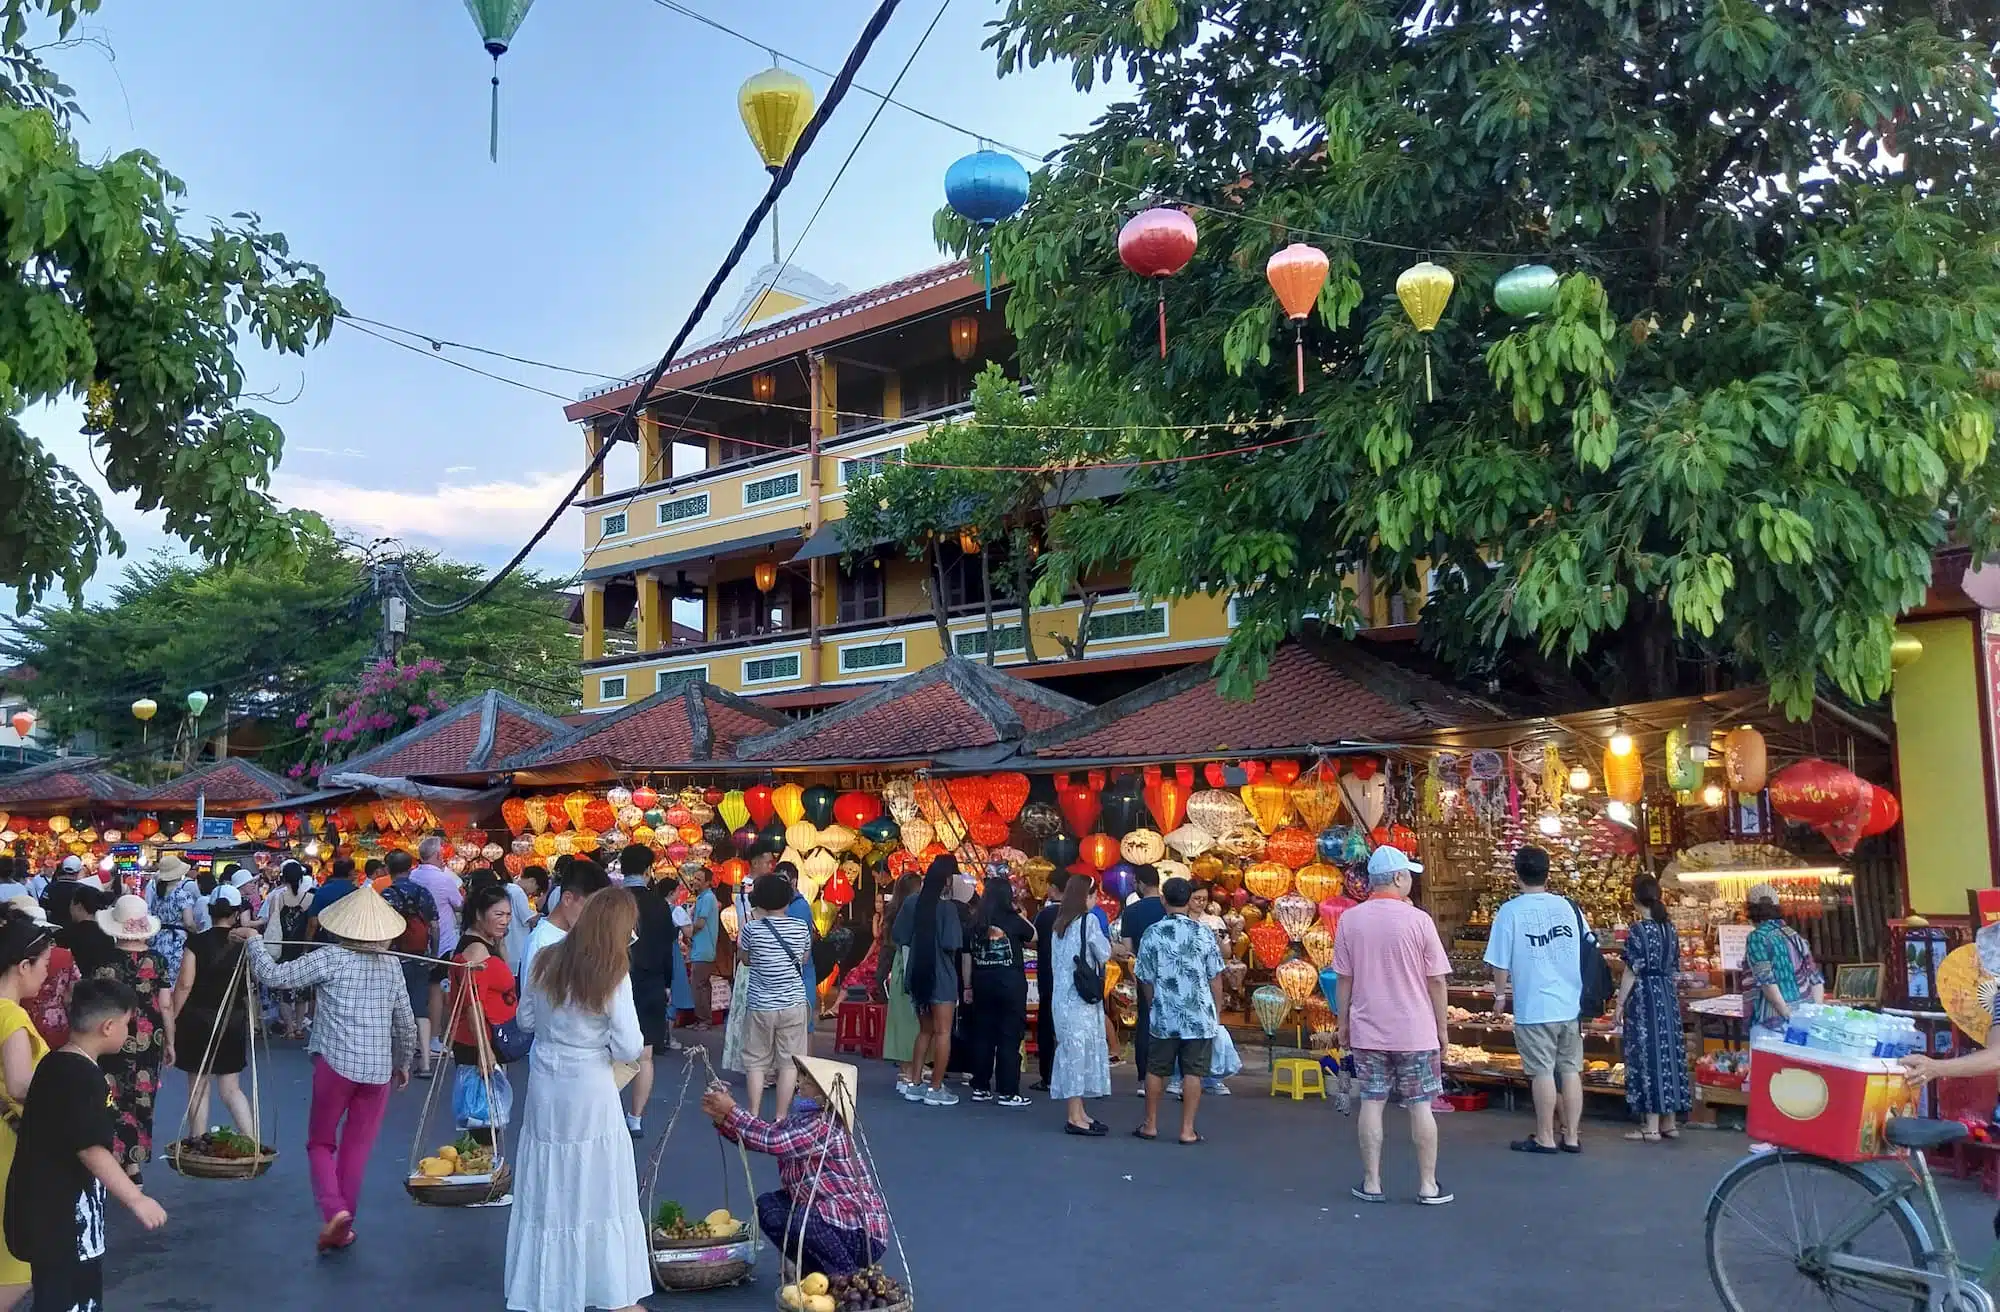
x=498 y=20
x=1526 y=290
x=984 y=188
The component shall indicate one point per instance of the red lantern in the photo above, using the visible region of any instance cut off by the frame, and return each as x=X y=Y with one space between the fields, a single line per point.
x=1883 y=812
x=1253 y=772
x=1364 y=768
x=1296 y=274
x=1271 y=943
x=1099 y=850
x=1008 y=793
x=1079 y=805
x=1292 y=847
x=968 y=794
x=1167 y=800
x=1285 y=772
x=1157 y=244
x=733 y=871
x=645 y=798
x=756 y=800
x=1817 y=793
x=989 y=830
x=839 y=890
x=712 y=796
x=1214 y=774
x=1083 y=868
x=856 y=809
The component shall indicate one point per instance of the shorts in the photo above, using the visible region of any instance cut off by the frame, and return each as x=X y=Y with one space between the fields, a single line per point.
x=1552 y=1049
x=771 y=1037
x=1195 y=1057
x=417 y=980
x=649 y=999
x=1405 y=1078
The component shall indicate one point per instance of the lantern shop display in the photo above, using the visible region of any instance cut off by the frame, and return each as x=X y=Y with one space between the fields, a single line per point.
x=1292 y=846
x=1142 y=847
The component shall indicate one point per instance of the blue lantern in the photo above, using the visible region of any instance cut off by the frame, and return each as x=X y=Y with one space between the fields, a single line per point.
x=984 y=188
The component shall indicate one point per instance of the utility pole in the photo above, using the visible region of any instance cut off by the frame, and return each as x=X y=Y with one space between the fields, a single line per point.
x=384 y=576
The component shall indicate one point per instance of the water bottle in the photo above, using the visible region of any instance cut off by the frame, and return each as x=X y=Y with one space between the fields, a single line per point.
x=1798 y=1029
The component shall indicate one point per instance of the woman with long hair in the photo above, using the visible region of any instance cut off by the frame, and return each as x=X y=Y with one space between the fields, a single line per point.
x=1082 y=1066
x=1649 y=1010
x=576 y=1237
x=134 y=1070
x=996 y=967
x=214 y=1023
x=26 y=944
x=287 y=910
x=931 y=929
x=485 y=995
x=899 y=1028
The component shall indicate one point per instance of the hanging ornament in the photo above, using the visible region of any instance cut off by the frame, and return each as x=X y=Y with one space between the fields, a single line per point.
x=1526 y=290
x=1683 y=772
x=646 y=799
x=1297 y=274
x=984 y=188
x=776 y=105
x=1883 y=812
x=1271 y=942
x=197 y=702
x=142 y=710
x=1299 y=979
x=1368 y=797
x=1316 y=797
x=1142 y=847
x=1743 y=760
x=1040 y=819
x=24 y=723
x=1190 y=841
x=1157 y=244
x=1269 y=802
x=1624 y=776
x=498 y=20
x=1099 y=850
x=1267 y=879
x=1318 y=882
x=1296 y=913
x=1817 y=793
x=1007 y=793
x=1079 y=803
x=1423 y=289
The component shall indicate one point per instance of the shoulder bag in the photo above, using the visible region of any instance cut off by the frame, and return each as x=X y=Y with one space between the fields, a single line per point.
x=1592 y=973
x=1086 y=979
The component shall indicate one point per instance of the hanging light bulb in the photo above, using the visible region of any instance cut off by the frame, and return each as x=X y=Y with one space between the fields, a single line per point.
x=1579 y=779
x=1621 y=743
x=1550 y=823
x=1712 y=796
x=1619 y=812
x=312 y=850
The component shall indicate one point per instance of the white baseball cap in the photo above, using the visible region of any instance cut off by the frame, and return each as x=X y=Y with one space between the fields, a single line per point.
x=1389 y=860
x=227 y=895
x=72 y=865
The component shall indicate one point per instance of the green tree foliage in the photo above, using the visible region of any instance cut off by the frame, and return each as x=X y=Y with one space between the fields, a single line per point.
x=1763 y=397
x=273 y=640
x=106 y=299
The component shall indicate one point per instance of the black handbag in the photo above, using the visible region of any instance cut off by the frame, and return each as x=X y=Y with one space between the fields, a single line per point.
x=1592 y=973
x=1086 y=979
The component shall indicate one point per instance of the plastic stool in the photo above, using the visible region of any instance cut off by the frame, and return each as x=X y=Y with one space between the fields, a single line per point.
x=1298 y=1076
x=860 y=1028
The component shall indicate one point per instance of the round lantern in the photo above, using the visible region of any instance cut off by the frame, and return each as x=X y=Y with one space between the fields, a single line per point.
x=1142 y=847
x=1316 y=798
x=900 y=796
x=1272 y=1005
x=1099 y=850
x=1743 y=760
x=818 y=803
x=1319 y=882
x=197 y=702
x=1218 y=811
x=988 y=829
x=880 y=830
x=619 y=796
x=1299 y=979
x=1291 y=846
x=1297 y=274
x=1267 y=879
x=1816 y=792
x=1061 y=849
x=855 y=809
x=1295 y=913
x=1157 y=244
x=984 y=188
x=803 y=836
x=1245 y=844
x=1883 y=812
x=917 y=835
x=1119 y=880
x=1624 y=777
x=1424 y=289
x=1040 y=819
x=1270 y=942
x=145 y=709
x=1526 y=290
x=1318 y=943
x=1123 y=808
x=1190 y=841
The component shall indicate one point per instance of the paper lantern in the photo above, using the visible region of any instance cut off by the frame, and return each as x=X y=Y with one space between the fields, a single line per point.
x=1142 y=847
x=1036 y=874
x=788 y=800
x=1683 y=771
x=1267 y=879
x=1295 y=913
x=818 y=868
x=1099 y=851
x=1816 y=792
x=1171 y=869
x=900 y=796
x=1167 y=801
x=1218 y=811
x=756 y=804
x=1319 y=882
x=1316 y=798
x=968 y=794
x=1213 y=869
x=1526 y=290
x=24 y=723
x=1040 y=819
x=514 y=814
x=771 y=838
x=818 y=803
x=984 y=188
x=1743 y=760
x=802 y=836
x=1062 y=849
x=1297 y=274
x=1272 y=1005
x=1424 y=288
x=1270 y=804
x=1299 y=979
x=1368 y=796
x=917 y=835
x=1245 y=844
x=988 y=829
x=1318 y=943
x=1119 y=880
x=1319 y=1015
x=881 y=830
x=1124 y=808
x=1157 y=244
x=1883 y=812
x=1291 y=846
x=1270 y=942
x=855 y=809
x=1190 y=841
x=1079 y=804
x=619 y=796
x=143 y=709
x=1007 y=793
x=646 y=799
x=1624 y=777
x=573 y=804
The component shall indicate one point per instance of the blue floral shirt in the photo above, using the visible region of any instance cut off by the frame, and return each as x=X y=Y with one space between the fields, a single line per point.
x=173 y=936
x=1178 y=958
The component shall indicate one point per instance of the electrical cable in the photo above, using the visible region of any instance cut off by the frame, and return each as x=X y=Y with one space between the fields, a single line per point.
x=627 y=422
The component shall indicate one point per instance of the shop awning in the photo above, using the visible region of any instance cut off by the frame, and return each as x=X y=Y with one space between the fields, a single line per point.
x=734 y=546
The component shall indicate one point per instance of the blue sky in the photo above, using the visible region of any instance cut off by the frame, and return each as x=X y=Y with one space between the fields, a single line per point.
x=359 y=130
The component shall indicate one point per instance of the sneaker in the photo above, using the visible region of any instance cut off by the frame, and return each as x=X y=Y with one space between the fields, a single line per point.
x=902 y=1085
x=1014 y=1100
x=1141 y=1090
x=1174 y=1086
x=914 y=1092
x=982 y=1095
x=941 y=1097
x=1215 y=1087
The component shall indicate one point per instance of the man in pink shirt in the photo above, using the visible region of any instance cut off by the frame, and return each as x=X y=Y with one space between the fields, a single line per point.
x=1393 y=973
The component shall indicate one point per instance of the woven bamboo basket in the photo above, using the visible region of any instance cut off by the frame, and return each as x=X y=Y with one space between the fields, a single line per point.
x=691 y=1264
x=202 y=1166
x=463 y=1195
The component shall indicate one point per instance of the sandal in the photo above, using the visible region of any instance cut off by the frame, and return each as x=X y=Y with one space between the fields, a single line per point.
x=1189 y=1143
x=1670 y=1134
x=1366 y=1197
x=1642 y=1136
x=1141 y=1134
x=1529 y=1145
x=1438 y=1199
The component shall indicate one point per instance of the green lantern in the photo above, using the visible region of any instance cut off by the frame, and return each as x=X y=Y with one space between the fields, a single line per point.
x=1526 y=290
x=498 y=20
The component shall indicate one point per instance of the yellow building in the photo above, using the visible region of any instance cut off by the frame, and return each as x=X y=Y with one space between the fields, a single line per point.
x=721 y=559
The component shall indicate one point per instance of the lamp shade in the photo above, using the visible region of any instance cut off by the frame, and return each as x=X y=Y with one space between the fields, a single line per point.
x=1297 y=273
x=1526 y=290
x=964 y=338
x=1424 y=289
x=197 y=702
x=986 y=186
x=145 y=708
x=766 y=575
x=763 y=386
x=776 y=106
x=1157 y=243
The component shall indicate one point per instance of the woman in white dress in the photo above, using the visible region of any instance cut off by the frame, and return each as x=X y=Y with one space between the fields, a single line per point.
x=576 y=1238
x=1083 y=1058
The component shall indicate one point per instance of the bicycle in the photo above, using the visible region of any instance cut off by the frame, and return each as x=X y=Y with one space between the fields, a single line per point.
x=1792 y=1230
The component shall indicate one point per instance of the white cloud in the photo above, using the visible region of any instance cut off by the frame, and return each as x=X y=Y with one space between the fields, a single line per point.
x=460 y=469
x=347 y=451
x=463 y=517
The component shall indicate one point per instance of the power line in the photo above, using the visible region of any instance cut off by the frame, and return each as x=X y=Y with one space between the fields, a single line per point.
x=627 y=422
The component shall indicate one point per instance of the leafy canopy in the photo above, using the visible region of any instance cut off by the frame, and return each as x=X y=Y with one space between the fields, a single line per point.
x=274 y=640
x=106 y=299
x=1763 y=397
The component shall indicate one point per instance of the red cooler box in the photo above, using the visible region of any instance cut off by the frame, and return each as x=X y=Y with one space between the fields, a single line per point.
x=1825 y=1103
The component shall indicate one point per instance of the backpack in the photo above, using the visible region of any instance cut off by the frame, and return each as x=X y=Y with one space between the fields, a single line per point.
x=416 y=936
x=1592 y=973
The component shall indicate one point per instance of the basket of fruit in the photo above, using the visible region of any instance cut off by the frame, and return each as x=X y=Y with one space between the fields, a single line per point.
x=461 y=1174
x=220 y=1155
x=870 y=1289
x=715 y=1251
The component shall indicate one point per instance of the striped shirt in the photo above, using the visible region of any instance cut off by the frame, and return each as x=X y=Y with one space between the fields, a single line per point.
x=776 y=946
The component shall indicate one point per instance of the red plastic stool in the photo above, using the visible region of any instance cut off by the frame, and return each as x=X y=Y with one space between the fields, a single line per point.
x=861 y=1026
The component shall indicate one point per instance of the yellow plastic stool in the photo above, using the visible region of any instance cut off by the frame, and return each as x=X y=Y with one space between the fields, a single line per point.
x=1298 y=1076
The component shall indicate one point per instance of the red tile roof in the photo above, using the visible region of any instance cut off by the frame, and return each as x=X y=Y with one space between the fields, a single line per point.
x=953 y=706
x=69 y=781
x=1315 y=693
x=470 y=738
x=695 y=721
x=227 y=783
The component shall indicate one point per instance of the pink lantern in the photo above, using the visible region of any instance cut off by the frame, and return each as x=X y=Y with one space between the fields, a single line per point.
x=1157 y=244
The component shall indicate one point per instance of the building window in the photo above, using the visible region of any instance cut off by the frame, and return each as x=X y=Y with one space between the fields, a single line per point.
x=934 y=387
x=739 y=610
x=771 y=669
x=611 y=689
x=776 y=488
x=613 y=526
x=1145 y=622
x=868 y=465
x=874 y=656
x=863 y=593
x=1006 y=638
x=680 y=508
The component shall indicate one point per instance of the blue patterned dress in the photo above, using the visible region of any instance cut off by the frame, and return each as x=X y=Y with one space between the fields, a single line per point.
x=1656 y=1068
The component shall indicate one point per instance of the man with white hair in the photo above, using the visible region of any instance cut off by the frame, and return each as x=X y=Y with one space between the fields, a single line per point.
x=448 y=891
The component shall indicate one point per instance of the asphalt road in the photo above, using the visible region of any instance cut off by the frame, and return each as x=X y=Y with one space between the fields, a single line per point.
x=1000 y=1210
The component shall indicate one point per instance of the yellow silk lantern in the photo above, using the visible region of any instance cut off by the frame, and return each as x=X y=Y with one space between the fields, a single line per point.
x=803 y=835
x=145 y=709
x=732 y=810
x=1318 y=945
x=1267 y=879
x=788 y=801
x=917 y=835
x=1320 y=882
x=1036 y=873
x=1142 y=847
x=58 y=824
x=818 y=868
x=1424 y=289
x=538 y=813
x=1245 y=844
x=838 y=838
x=1298 y=978
x=1624 y=777
x=572 y=805
x=545 y=844
x=689 y=833
x=776 y=105
x=823 y=914
x=1317 y=798
x=1269 y=803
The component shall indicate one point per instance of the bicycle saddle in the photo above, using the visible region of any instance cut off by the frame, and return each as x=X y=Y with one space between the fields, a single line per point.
x=1921 y=1134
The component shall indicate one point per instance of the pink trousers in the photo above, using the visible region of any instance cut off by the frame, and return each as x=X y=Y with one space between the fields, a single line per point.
x=338 y=1159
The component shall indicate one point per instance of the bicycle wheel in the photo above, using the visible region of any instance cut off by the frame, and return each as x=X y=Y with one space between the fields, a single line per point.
x=1769 y=1214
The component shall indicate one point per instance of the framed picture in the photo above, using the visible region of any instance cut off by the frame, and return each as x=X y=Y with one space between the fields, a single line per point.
x=1858 y=983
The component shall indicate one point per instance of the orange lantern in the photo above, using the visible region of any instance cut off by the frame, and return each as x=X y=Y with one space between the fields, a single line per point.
x=1320 y=882
x=1298 y=978
x=1316 y=797
x=1100 y=850
x=1743 y=760
x=1270 y=803
x=1297 y=274
x=1624 y=776
x=968 y=794
x=989 y=830
x=1008 y=793
x=1267 y=879
x=1292 y=846
x=1270 y=942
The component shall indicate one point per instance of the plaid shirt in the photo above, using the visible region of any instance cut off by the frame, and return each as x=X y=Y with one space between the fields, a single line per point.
x=839 y=1191
x=362 y=1025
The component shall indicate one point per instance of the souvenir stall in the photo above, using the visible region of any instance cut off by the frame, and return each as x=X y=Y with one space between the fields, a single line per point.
x=75 y=806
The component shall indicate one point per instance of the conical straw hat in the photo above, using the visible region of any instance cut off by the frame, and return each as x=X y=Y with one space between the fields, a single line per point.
x=362 y=917
x=837 y=1080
